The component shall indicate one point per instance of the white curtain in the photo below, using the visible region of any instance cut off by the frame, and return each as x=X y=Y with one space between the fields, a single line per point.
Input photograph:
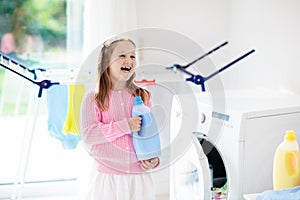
x=105 y=18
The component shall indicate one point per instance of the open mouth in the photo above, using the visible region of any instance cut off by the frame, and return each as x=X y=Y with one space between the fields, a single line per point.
x=126 y=68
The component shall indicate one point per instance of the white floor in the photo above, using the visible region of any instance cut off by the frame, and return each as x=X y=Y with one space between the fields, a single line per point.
x=75 y=198
x=53 y=198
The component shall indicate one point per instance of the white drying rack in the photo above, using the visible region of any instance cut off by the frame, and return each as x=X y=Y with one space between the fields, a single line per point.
x=43 y=79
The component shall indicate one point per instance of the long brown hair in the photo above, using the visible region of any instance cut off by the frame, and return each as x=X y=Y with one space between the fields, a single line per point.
x=104 y=82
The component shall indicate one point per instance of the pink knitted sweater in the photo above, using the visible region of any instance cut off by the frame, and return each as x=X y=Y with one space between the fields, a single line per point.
x=107 y=134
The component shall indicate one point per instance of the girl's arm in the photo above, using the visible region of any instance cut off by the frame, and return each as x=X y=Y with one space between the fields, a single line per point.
x=94 y=131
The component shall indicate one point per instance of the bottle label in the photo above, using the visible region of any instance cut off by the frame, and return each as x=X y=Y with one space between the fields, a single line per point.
x=147 y=128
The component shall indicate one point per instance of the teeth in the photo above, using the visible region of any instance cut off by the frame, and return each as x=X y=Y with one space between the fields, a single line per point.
x=126 y=68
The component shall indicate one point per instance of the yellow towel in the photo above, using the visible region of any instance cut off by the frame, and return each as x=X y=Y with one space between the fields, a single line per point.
x=76 y=93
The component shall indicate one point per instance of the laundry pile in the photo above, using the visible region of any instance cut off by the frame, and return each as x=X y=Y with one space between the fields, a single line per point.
x=286 y=194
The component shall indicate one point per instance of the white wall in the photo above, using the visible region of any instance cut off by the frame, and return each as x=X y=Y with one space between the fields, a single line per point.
x=206 y=22
x=271 y=27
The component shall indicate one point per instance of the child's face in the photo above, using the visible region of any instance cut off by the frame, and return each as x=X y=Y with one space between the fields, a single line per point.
x=122 y=62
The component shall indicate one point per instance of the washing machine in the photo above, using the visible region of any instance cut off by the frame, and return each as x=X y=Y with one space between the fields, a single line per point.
x=254 y=126
x=237 y=158
x=200 y=171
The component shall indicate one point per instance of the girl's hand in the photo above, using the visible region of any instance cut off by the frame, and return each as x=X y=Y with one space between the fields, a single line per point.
x=135 y=123
x=150 y=164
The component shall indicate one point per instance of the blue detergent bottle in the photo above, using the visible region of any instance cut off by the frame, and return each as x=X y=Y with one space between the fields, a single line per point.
x=146 y=142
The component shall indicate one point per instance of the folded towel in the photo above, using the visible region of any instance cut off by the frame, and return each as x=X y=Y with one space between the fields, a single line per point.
x=285 y=194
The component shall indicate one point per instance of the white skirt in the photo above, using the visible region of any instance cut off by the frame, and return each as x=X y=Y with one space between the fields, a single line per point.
x=121 y=187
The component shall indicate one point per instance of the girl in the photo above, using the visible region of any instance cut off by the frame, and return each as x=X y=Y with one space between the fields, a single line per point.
x=107 y=127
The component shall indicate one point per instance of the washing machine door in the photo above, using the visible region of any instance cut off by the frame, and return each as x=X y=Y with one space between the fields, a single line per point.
x=200 y=173
x=191 y=175
x=205 y=174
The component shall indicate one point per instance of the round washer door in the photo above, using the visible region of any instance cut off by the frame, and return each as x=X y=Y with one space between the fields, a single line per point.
x=190 y=175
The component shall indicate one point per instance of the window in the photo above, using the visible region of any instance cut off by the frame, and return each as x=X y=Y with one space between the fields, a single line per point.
x=40 y=34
